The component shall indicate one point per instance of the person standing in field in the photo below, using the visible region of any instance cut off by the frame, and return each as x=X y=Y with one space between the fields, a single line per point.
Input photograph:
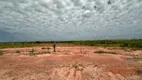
x=54 y=47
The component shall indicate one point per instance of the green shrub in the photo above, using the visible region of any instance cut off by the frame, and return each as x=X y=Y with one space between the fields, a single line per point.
x=124 y=45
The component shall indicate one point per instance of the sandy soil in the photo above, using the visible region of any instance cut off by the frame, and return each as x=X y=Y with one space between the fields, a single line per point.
x=70 y=63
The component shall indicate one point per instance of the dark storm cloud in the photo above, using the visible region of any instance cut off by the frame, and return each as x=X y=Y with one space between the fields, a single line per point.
x=70 y=19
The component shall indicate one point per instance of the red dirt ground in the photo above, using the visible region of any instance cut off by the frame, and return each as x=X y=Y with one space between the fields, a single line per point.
x=70 y=63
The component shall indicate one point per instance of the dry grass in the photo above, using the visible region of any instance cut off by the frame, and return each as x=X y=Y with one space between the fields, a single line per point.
x=18 y=51
x=104 y=52
x=1 y=52
x=32 y=52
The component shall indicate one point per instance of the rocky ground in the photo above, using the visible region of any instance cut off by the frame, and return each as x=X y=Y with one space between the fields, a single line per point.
x=70 y=63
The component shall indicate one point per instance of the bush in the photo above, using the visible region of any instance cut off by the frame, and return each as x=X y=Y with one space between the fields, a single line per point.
x=104 y=52
x=31 y=53
x=1 y=53
x=99 y=52
x=135 y=45
x=18 y=51
x=124 y=45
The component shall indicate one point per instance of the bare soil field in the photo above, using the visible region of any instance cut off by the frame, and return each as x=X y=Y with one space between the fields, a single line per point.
x=70 y=63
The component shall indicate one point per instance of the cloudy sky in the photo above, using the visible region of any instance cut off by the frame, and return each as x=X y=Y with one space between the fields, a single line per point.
x=52 y=20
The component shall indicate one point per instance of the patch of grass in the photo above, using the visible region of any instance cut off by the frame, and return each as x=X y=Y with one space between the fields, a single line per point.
x=104 y=52
x=111 y=43
x=82 y=51
x=48 y=52
x=77 y=65
x=99 y=52
x=134 y=59
x=18 y=45
x=43 y=48
x=1 y=52
x=48 y=49
x=32 y=52
x=134 y=44
x=18 y=51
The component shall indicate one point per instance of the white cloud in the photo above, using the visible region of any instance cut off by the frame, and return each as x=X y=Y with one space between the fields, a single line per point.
x=70 y=19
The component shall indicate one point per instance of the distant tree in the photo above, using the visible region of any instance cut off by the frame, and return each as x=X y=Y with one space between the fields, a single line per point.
x=38 y=42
